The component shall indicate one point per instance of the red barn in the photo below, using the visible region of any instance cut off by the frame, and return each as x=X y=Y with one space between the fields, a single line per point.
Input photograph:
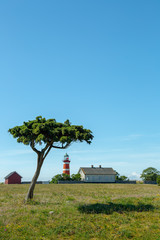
x=13 y=178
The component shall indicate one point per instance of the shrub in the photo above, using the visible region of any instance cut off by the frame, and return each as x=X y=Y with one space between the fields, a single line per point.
x=158 y=180
x=60 y=177
x=65 y=177
x=56 y=178
x=76 y=177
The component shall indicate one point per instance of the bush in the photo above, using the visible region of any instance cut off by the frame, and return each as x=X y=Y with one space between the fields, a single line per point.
x=56 y=178
x=158 y=180
x=76 y=177
x=65 y=177
x=60 y=177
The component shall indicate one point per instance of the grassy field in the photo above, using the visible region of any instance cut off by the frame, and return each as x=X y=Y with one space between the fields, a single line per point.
x=80 y=211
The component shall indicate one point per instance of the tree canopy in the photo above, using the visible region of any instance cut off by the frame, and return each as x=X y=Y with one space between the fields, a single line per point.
x=51 y=134
x=121 y=178
x=150 y=174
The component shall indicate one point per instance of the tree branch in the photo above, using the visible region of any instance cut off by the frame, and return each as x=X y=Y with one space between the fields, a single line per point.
x=47 y=152
x=33 y=147
x=45 y=148
x=63 y=147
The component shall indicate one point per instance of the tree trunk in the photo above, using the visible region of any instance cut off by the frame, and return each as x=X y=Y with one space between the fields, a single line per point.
x=35 y=177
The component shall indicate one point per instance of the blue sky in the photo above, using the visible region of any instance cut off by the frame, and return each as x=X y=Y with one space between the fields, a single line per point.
x=95 y=63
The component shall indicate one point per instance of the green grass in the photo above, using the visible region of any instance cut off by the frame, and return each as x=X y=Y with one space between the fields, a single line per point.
x=80 y=211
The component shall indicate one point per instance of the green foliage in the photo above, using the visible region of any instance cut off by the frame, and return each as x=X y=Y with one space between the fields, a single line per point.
x=117 y=176
x=121 y=178
x=65 y=177
x=47 y=131
x=158 y=180
x=60 y=177
x=150 y=174
x=76 y=177
x=56 y=178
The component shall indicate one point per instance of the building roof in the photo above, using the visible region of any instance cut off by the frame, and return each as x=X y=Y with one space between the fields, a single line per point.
x=10 y=174
x=97 y=171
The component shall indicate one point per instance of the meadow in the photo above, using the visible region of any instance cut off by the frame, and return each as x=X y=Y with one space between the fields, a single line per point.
x=80 y=211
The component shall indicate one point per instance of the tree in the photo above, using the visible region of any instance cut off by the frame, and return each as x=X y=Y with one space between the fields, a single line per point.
x=158 y=180
x=56 y=178
x=48 y=134
x=150 y=174
x=76 y=177
x=121 y=178
x=60 y=177
x=65 y=177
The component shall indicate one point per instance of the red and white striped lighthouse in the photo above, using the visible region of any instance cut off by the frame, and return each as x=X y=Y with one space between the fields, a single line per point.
x=66 y=162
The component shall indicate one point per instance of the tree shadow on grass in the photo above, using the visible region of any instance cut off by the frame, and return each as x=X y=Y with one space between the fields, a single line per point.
x=110 y=207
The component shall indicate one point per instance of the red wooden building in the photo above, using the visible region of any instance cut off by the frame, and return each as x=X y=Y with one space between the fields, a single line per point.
x=13 y=178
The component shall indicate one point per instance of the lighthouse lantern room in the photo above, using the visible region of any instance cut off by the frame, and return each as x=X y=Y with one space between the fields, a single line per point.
x=66 y=162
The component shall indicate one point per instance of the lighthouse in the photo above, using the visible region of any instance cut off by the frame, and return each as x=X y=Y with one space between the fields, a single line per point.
x=66 y=162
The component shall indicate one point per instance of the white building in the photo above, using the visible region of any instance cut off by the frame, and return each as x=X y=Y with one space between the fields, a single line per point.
x=97 y=174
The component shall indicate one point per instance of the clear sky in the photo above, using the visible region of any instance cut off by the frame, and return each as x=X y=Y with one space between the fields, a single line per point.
x=96 y=63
